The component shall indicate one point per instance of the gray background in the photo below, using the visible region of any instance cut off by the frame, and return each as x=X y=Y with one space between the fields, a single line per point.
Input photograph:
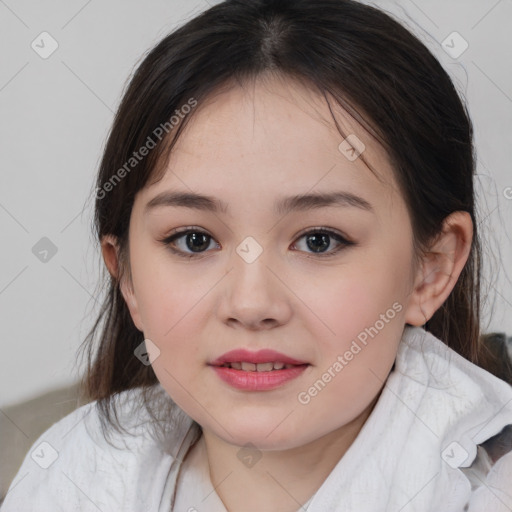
x=55 y=115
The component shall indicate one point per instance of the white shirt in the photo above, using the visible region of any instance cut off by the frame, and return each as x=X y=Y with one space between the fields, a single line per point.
x=418 y=451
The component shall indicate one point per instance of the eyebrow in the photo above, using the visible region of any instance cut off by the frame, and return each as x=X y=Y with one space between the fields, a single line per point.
x=283 y=206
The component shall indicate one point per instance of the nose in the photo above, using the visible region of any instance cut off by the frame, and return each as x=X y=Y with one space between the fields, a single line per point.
x=255 y=295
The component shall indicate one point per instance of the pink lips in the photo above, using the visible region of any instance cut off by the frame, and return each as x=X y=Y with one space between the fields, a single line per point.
x=262 y=356
x=254 y=380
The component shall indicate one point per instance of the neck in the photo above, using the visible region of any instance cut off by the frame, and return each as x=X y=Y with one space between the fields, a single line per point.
x=285 y=479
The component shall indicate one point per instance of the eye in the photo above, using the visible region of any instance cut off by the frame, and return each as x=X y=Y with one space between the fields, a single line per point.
x=197 y=242
x=318 y=239
x=189 y=238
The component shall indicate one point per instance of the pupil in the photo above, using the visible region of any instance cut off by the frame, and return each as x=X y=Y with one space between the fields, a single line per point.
x=194 y=237
x=320 y=237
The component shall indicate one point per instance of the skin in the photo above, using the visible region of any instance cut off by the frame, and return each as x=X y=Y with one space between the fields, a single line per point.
x=248 y=147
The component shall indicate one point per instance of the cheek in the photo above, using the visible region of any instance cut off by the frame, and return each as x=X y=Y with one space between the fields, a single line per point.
x=359 y=315
x=169 y=296
x=365 y=323
x=175 y=317
x=346 y=301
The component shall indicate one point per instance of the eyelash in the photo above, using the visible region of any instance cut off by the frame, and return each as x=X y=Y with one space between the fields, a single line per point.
x=169 y=240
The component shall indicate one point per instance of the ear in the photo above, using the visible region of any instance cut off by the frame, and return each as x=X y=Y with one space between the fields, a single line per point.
x=110 y=252
x=440 y=268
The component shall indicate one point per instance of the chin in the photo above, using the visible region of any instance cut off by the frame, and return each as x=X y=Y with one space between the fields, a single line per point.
x=270 y=433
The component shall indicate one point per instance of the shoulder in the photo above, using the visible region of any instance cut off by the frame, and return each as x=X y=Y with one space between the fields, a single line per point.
x=74 y=466
x=427 y=359
x=471 y=405
x=58 y=464
x=466 y=394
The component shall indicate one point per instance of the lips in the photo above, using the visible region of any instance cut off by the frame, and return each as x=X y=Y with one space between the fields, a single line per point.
x=262 y=357
x=264 y=370
x=258 y=367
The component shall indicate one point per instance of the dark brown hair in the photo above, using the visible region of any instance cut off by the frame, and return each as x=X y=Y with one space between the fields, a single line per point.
x=360 y=56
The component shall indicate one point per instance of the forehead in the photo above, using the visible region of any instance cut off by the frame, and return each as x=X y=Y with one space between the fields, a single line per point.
x=272 y=134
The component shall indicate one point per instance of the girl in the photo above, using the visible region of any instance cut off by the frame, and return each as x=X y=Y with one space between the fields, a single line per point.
x=285 y=207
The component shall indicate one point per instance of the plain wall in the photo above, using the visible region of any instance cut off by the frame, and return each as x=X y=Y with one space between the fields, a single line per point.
x=55 y=116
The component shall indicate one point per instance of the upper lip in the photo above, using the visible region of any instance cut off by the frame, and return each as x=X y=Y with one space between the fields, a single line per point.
x=261 y=356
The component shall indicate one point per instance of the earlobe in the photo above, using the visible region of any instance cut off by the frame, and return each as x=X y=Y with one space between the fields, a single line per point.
x=440 y=268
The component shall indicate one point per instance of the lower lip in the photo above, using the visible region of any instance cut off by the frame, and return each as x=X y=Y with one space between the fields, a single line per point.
x=258 y=381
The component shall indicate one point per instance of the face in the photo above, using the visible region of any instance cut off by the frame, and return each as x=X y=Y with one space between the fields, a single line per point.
x=326 y=285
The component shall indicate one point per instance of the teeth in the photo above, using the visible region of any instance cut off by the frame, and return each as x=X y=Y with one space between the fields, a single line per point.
x=260 y=367
x=264 y=367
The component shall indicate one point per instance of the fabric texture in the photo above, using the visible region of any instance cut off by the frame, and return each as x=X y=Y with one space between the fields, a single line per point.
x=438 y=439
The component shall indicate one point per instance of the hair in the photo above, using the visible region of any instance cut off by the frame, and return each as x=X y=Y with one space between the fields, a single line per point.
x=377 y=70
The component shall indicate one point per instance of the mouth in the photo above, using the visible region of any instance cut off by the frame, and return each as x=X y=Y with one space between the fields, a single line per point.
x=257 y=371
x=258 y=367
x=261 y=360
